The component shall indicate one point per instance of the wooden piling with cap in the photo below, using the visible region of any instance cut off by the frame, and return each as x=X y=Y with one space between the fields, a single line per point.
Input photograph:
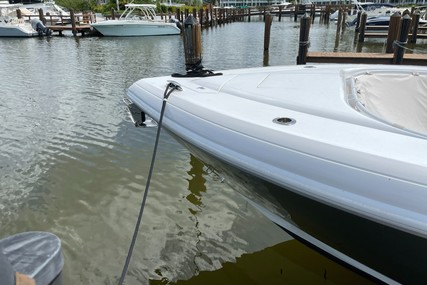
x=362 y=27
x=296 y=11
x=359 y=16
x=192 y=43
x=41 y=16
x=303 y=39
x=393 y=31
x=399 y=46
x=415 y=23
x=267 y=28
x=340 y=19
x=73 y=22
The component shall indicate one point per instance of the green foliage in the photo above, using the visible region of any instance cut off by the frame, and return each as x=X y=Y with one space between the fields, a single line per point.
x=92 y=5
x=77 y=5
x=190 y=8
x=122 y=3
x=161 y=8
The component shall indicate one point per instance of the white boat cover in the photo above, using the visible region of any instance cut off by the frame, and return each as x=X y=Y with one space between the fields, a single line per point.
x=37 y=255
x=397 y=98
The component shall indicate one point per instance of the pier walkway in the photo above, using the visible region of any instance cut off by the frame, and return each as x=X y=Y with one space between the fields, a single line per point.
x=365 y=58
x=81 y=29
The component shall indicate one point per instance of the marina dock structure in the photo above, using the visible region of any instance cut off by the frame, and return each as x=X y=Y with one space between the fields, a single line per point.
x=415 y=30
x=397 y=37
x=78 y=29
x=76 y=23
x=366 y=58
x=402 y=29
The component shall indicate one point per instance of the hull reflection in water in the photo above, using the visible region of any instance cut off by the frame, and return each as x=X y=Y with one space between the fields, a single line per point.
x=289 y=262
x=379 y=247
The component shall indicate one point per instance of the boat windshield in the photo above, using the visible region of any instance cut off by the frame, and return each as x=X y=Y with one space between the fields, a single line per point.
x=399 y=99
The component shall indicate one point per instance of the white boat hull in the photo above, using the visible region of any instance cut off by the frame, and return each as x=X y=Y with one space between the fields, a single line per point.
x=11 y=25
x=290 y=141
x=135 y=28
x=22 y=31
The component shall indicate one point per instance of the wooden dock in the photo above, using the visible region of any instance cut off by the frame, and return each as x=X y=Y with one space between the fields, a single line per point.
x=383 y=31
x=78 y=29
x=399 y=33
x=385 y=35
x=365 y=58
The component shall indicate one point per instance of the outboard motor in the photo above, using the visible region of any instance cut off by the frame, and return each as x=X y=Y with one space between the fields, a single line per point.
x=40 y=27
x=177 y=23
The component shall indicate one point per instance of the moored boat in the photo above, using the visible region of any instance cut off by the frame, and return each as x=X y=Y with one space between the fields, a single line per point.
x=12 y=26
x=373 y=10
x=339 y=162
x=53 y=13
x=137 y=20
x=384 y=20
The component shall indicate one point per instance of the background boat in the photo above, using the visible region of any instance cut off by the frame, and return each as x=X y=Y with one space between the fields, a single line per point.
x=11 y=26
x=137 y=20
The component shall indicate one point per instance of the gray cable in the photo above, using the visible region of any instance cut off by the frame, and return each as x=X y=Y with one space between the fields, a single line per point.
x=147 y=186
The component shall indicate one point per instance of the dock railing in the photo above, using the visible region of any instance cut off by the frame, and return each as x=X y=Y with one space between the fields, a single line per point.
x=398 y=35
x=52 y=19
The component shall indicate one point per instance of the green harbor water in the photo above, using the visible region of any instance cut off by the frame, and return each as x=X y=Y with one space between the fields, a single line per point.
x=72 y=163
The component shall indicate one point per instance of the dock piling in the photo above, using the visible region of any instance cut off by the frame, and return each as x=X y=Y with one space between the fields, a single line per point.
x=73 y=22
x=267 y=28
x=359 y=15
x=393 y=31
x=303 y=39
x=296 y=11
x=339 y=21
x=313 y=12
x=192 y=37
x=41 y=16
x=362 y=27
x=399 y=46
x=415 y=23
x=192 y=44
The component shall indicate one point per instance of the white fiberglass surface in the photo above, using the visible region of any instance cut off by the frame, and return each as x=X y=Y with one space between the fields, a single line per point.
x=318 y=149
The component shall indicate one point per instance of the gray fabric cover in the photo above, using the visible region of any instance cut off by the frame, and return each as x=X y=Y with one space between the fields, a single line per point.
x=7 y=274
x=35 y=254
x=399 y=99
